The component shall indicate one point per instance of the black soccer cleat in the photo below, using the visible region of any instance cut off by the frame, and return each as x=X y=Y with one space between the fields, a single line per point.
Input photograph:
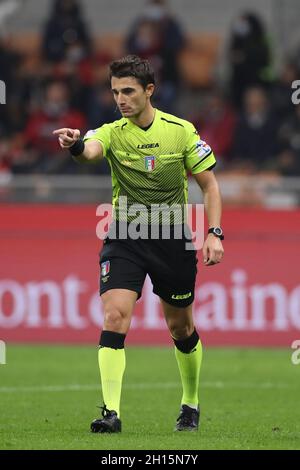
x=188 y=419
x=109 y=423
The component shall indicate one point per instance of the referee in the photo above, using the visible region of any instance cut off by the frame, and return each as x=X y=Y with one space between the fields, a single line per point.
x=149 y=153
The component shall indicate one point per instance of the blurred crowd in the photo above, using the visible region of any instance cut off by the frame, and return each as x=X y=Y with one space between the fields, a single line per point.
x=248 y=118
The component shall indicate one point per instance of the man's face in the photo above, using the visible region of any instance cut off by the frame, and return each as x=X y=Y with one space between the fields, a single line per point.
x=130 y=96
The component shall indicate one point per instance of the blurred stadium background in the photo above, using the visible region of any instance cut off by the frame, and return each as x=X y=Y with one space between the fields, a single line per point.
x=226 y=66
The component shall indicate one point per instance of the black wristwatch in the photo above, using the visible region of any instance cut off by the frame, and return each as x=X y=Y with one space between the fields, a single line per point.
x=217 y=231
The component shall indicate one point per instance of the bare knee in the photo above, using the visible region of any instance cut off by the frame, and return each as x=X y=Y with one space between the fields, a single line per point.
x=179 y=320
x=117 y=309
x=113 y=318
x=180 y=331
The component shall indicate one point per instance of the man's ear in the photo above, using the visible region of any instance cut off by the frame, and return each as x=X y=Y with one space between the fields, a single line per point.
x=150 y=90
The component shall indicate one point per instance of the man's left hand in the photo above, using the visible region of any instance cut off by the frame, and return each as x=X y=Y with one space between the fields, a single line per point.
x=212 y=250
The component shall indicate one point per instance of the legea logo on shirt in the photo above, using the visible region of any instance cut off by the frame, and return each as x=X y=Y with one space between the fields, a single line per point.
x=147 y=146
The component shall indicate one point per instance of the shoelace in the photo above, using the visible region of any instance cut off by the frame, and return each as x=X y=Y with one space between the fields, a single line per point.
x=105 y=412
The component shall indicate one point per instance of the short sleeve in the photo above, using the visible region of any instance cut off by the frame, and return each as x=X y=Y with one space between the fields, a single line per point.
x=102 y=134
x=198 y=154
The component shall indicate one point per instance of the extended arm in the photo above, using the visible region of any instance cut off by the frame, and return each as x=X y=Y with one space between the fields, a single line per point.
x=90 y=151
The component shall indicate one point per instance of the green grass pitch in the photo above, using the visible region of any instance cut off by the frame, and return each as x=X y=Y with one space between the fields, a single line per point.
x=249 y=400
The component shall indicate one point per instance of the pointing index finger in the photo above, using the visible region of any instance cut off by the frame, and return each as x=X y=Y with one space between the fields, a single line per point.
x=64 y=130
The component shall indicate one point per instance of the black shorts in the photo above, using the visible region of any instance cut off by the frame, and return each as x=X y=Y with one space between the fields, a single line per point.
x=124 y=264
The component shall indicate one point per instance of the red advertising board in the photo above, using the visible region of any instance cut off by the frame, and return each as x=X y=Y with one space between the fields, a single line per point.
x=49 y=280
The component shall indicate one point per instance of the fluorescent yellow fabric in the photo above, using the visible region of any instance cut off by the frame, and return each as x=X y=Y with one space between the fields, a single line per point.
x=112 y=366
x=189 y=367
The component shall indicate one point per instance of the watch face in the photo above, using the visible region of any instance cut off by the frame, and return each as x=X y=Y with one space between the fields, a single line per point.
x=218 y=231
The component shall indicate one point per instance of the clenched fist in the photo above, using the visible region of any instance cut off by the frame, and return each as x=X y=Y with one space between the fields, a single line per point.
x=67 y=137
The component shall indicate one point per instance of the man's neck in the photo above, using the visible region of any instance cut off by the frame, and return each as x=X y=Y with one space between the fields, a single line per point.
x=145 y=118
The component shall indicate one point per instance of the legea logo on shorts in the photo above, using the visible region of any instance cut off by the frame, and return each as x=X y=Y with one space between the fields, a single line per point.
x=181 y=296
x=2 y=352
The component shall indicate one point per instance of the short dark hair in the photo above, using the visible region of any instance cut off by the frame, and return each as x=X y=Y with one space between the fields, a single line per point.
x=133 y=66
